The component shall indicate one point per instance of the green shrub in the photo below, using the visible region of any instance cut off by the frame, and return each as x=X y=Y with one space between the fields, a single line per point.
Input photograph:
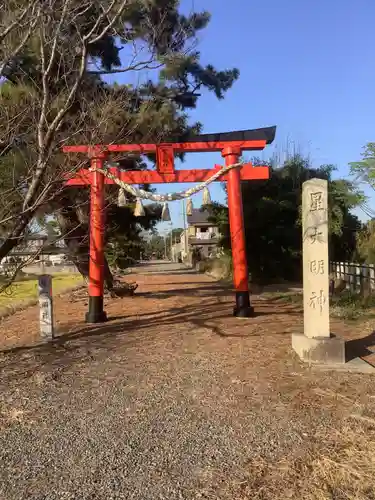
x=351 y=306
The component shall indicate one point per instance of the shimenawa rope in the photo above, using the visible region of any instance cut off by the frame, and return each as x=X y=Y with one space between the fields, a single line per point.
x=145 y=195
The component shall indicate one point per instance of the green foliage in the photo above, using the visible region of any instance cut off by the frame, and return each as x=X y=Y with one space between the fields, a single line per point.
x=365 y=169
x=155 y=247
x=159 y=246
x=125 y=244
x=26 y=287
x=366 y=243
x=352 y=306
x=123 y=252
x=218 y=215
x=272 y=218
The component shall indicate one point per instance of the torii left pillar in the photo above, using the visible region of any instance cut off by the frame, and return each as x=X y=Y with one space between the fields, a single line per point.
x=96 y=313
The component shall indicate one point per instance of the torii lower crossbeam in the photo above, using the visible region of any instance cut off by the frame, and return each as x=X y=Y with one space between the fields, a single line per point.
x=231 y=146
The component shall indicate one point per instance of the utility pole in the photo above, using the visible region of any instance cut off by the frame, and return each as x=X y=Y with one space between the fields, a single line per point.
x=185 y=231
x=171 y=255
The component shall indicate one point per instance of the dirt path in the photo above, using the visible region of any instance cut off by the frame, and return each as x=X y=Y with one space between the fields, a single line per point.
x=174 y=399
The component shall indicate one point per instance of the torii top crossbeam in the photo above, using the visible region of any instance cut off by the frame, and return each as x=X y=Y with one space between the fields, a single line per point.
x=244 y=140
x=231 y=145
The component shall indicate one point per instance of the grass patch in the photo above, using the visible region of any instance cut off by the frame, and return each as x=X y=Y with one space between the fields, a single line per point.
x=21 y=276
x=25 y=289
x=284 y=297
x=348 y=306
x=341 y=466
x=352 y=306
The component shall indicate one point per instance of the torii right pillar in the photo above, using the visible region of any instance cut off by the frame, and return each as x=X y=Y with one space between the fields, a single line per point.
x=243 y=308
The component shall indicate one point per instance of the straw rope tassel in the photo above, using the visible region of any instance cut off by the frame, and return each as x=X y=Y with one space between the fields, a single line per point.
x=206 y=196
x=139 y=211
x=189 y=207
x=121 y=198
x=165 y=215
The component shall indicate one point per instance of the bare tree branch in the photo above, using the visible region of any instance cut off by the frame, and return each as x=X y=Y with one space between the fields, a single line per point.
x=13 y=53
x=142 y=65
x=105 y=30
x=17 y=21
x=45 y=140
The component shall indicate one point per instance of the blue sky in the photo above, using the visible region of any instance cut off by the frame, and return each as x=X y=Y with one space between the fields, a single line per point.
x=306 y=66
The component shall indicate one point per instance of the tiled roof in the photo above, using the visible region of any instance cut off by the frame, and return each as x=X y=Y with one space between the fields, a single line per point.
x=198 y=217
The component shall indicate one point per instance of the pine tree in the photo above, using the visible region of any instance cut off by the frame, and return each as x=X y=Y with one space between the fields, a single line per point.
x=56 y=60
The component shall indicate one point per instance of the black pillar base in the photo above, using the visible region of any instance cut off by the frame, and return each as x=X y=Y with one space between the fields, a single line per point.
x=95 y=313
x=243 y=309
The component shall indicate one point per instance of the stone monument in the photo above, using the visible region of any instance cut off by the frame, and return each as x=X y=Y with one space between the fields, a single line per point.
x=45 y=307
x=316 y=344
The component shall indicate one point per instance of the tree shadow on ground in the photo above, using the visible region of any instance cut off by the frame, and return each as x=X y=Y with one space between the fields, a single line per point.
x=85 y=343
x=281 y=287
x=204 y=313
x=191 y=283
x=171 y=272
x=359 y=348
x=209 y=289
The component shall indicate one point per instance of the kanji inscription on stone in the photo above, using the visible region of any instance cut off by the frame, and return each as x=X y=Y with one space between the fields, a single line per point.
x=318 y=300
x=314 y=235
x=316 y=201
x=317 y=266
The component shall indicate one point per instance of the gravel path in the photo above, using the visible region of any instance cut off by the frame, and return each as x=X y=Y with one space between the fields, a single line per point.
x=174 y=399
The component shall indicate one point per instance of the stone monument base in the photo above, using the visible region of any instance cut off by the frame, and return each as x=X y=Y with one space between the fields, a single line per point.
x=319 y=350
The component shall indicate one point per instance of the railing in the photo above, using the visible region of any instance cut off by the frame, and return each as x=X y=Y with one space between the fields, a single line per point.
x=204 y=236
x=357 y=277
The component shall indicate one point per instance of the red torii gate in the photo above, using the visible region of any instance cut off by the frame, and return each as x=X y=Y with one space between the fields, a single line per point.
x=231 y=145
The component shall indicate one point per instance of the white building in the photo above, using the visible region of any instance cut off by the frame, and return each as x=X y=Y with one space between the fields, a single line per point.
x=201 y=236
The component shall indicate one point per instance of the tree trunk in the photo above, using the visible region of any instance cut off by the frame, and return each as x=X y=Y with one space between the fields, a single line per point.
x=15 y=237
x=77 y=242
x=81 y=260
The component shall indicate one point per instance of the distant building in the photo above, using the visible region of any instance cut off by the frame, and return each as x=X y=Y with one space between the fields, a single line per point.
x=176 y=252
x=40 y=246
x=201 y=236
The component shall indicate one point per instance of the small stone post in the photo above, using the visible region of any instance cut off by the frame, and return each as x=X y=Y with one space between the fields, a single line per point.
x=45 y=306
x=316 y=345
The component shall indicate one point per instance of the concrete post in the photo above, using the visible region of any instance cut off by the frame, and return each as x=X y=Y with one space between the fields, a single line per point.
x=316 y=344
